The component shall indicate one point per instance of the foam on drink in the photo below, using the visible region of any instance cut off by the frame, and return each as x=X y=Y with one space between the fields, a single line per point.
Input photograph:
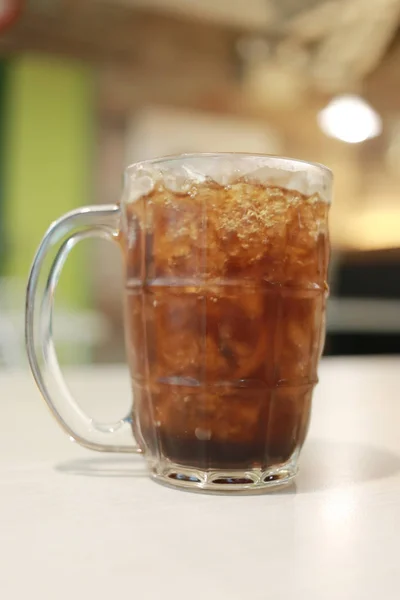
x=296 y=175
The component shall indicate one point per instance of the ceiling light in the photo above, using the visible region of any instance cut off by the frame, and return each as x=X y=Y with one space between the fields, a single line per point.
x=350 y=119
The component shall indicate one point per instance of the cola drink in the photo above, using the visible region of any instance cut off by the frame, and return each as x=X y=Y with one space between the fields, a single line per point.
x=225 y=319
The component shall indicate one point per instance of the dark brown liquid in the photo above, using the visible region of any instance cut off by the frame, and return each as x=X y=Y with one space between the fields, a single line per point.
x=225 y=304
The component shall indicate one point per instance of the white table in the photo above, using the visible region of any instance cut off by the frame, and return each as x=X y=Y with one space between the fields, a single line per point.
x=79 y=525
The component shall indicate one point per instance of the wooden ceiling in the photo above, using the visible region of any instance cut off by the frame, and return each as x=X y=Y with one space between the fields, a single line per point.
x=323 y=46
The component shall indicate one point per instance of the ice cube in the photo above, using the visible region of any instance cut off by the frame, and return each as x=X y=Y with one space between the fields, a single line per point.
x=268 y=176
x=307 y=180
x=140 y=186
x=224 y=172
x=180 y=179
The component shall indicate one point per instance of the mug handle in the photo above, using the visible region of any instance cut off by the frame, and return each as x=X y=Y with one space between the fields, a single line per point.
x=63 y=235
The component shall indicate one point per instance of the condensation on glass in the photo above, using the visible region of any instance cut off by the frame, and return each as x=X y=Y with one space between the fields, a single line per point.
x=226 y=261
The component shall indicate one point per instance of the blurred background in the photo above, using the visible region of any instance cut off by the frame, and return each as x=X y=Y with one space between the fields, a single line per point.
x=87 y=87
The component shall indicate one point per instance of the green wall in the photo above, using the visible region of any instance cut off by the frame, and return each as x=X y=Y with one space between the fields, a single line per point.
x=48 y=159
x=3 y=238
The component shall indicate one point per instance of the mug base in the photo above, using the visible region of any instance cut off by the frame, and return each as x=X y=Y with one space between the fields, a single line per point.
x=249 y=481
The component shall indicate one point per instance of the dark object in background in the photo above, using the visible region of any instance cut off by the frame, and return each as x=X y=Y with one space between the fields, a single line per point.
x=361 y=344
x=369 y=275
x=373 y=275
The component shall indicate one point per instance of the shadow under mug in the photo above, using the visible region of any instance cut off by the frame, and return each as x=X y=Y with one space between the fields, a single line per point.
x=225 y=266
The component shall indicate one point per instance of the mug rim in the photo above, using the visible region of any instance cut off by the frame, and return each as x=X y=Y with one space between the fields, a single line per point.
x=271 y=157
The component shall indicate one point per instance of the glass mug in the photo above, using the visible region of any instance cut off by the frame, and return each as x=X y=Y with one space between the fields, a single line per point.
x=226 y=260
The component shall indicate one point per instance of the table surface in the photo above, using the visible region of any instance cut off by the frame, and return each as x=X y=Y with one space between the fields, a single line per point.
x=77 y=524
